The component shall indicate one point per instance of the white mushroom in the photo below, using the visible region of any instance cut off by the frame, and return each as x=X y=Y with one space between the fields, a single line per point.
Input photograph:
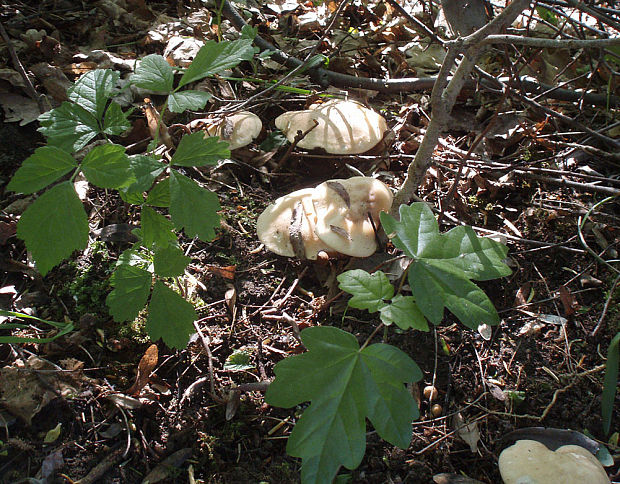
x=530 y=462
x=287 y=226
x=347 y=213
x=342 y=127
x=239 y=129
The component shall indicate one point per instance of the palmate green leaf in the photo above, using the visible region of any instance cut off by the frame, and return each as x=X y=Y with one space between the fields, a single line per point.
x=46 y=165
x=115 y=121
x=345 y=384
x=156 y=229
x=68 y=127
x=170 y=261
x=93 y=89
x=184 y=100
x=54 y=226
x=197 y=150
x=214 y=57
x=132 y=286
x=154 y=73
x=170 y=318
x=368 y=290
x=610 y=385
x=405 y=313
x=193 y=208
x=107 y=166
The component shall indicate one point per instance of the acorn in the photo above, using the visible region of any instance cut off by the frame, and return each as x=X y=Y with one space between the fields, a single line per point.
x=430 y=393
x=436 y=410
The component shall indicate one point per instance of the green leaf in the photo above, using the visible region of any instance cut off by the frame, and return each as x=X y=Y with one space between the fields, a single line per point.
x=610 y=386
x=434 y=288
x=107 y=166
x=46 y=165
x=93 y=89
x=193 y=208
x=197 y=150
x=345 y=384
x=115 y=121
x=154 y=73
x=132 y=286
x=368 y=290
x=170 y=318
x=417 y=233
x=159 y=196
x=249 y=32
x=183 y=100
x=54 y=226
x=68 y=127
x=60 y=329
x=238 y=360
x=404 y=312
x=170 y=261
x=145 y=170
x=214 y=57
x=156 y=229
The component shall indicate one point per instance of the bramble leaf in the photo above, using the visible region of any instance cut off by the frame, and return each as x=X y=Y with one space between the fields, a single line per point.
x=154 y=73
x=132 y=286
x=214 y=57
x=115 y=121
x=107 y=166
x=159 y=196
x=170 y=318
x=183 y=100
x=368 y=290
x=146 y=170
x=197 y=150
x=345 y=384
x=193 y=208
x=54 y=226
x=93 y=89
x=156 y=229
x=404 y=312
x=46 y=165
x=68 y=127
x=170 y=261
x=610 y=385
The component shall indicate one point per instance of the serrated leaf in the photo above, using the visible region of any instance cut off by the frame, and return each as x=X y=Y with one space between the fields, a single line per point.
x=159 y=196
x=156 y=229
x=610 y=385
x=193 y=208
x=132 y=286
x=345 y=384
x=154 y=73
x=93 y=89
x=68 y=127
x=170 y=261
x=238 y=360
x=107 y=166
x=46 y=165
x=115 y=121
x=441 y=289
x=170 y=317
x=196 y=150
x=184 y=100
x=369 y=290
x=417 y=233
x=54 y=226
x=214 y=57
x=405 y=313
x=145 y=169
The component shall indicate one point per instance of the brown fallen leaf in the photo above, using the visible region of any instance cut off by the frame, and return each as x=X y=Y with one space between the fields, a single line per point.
x=569 y=302
x=226 y=272
x=523 y=294
x=145 y=368
x=157 y=127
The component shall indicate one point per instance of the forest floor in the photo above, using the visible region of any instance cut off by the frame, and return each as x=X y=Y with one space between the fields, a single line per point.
x=541 y=366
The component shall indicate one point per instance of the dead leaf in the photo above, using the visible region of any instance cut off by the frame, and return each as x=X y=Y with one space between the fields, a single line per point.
x=124 y=401
x=147 y=364
x=157 y=127
x=168 y=465
x=7 y=229
x=231 y=297
x=569 y=302
x=226 y=272
x=19 y=108
x=467 y=431
x=531 y=328
x=523 y=294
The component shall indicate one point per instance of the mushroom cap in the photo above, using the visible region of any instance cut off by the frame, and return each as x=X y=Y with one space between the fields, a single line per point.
x=238 y=129
x=342 y=208
x=530 y=462
x=344 y=127
x=290 y=214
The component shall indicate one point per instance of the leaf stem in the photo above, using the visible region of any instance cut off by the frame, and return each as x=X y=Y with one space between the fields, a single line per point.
x=372 y=335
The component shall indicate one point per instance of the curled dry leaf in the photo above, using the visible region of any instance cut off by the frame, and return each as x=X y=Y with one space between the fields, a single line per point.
x=147 y=364
x=467 y=431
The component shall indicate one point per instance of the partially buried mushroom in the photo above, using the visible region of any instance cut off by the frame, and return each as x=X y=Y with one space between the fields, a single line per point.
x=339 y=127
x=530 y=462
x=239 y=129
x=337 y=216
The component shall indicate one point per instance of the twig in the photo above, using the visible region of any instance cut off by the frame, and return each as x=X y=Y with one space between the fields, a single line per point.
x=603 y=314
x=298 y=137
x=551 y=43
x=205 y=343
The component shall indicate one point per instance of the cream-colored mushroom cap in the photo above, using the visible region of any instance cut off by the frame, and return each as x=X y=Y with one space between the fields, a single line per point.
x=287 y=226
x=342 y=209
x=344 y=127
x=530 y=462
x=239 y=129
